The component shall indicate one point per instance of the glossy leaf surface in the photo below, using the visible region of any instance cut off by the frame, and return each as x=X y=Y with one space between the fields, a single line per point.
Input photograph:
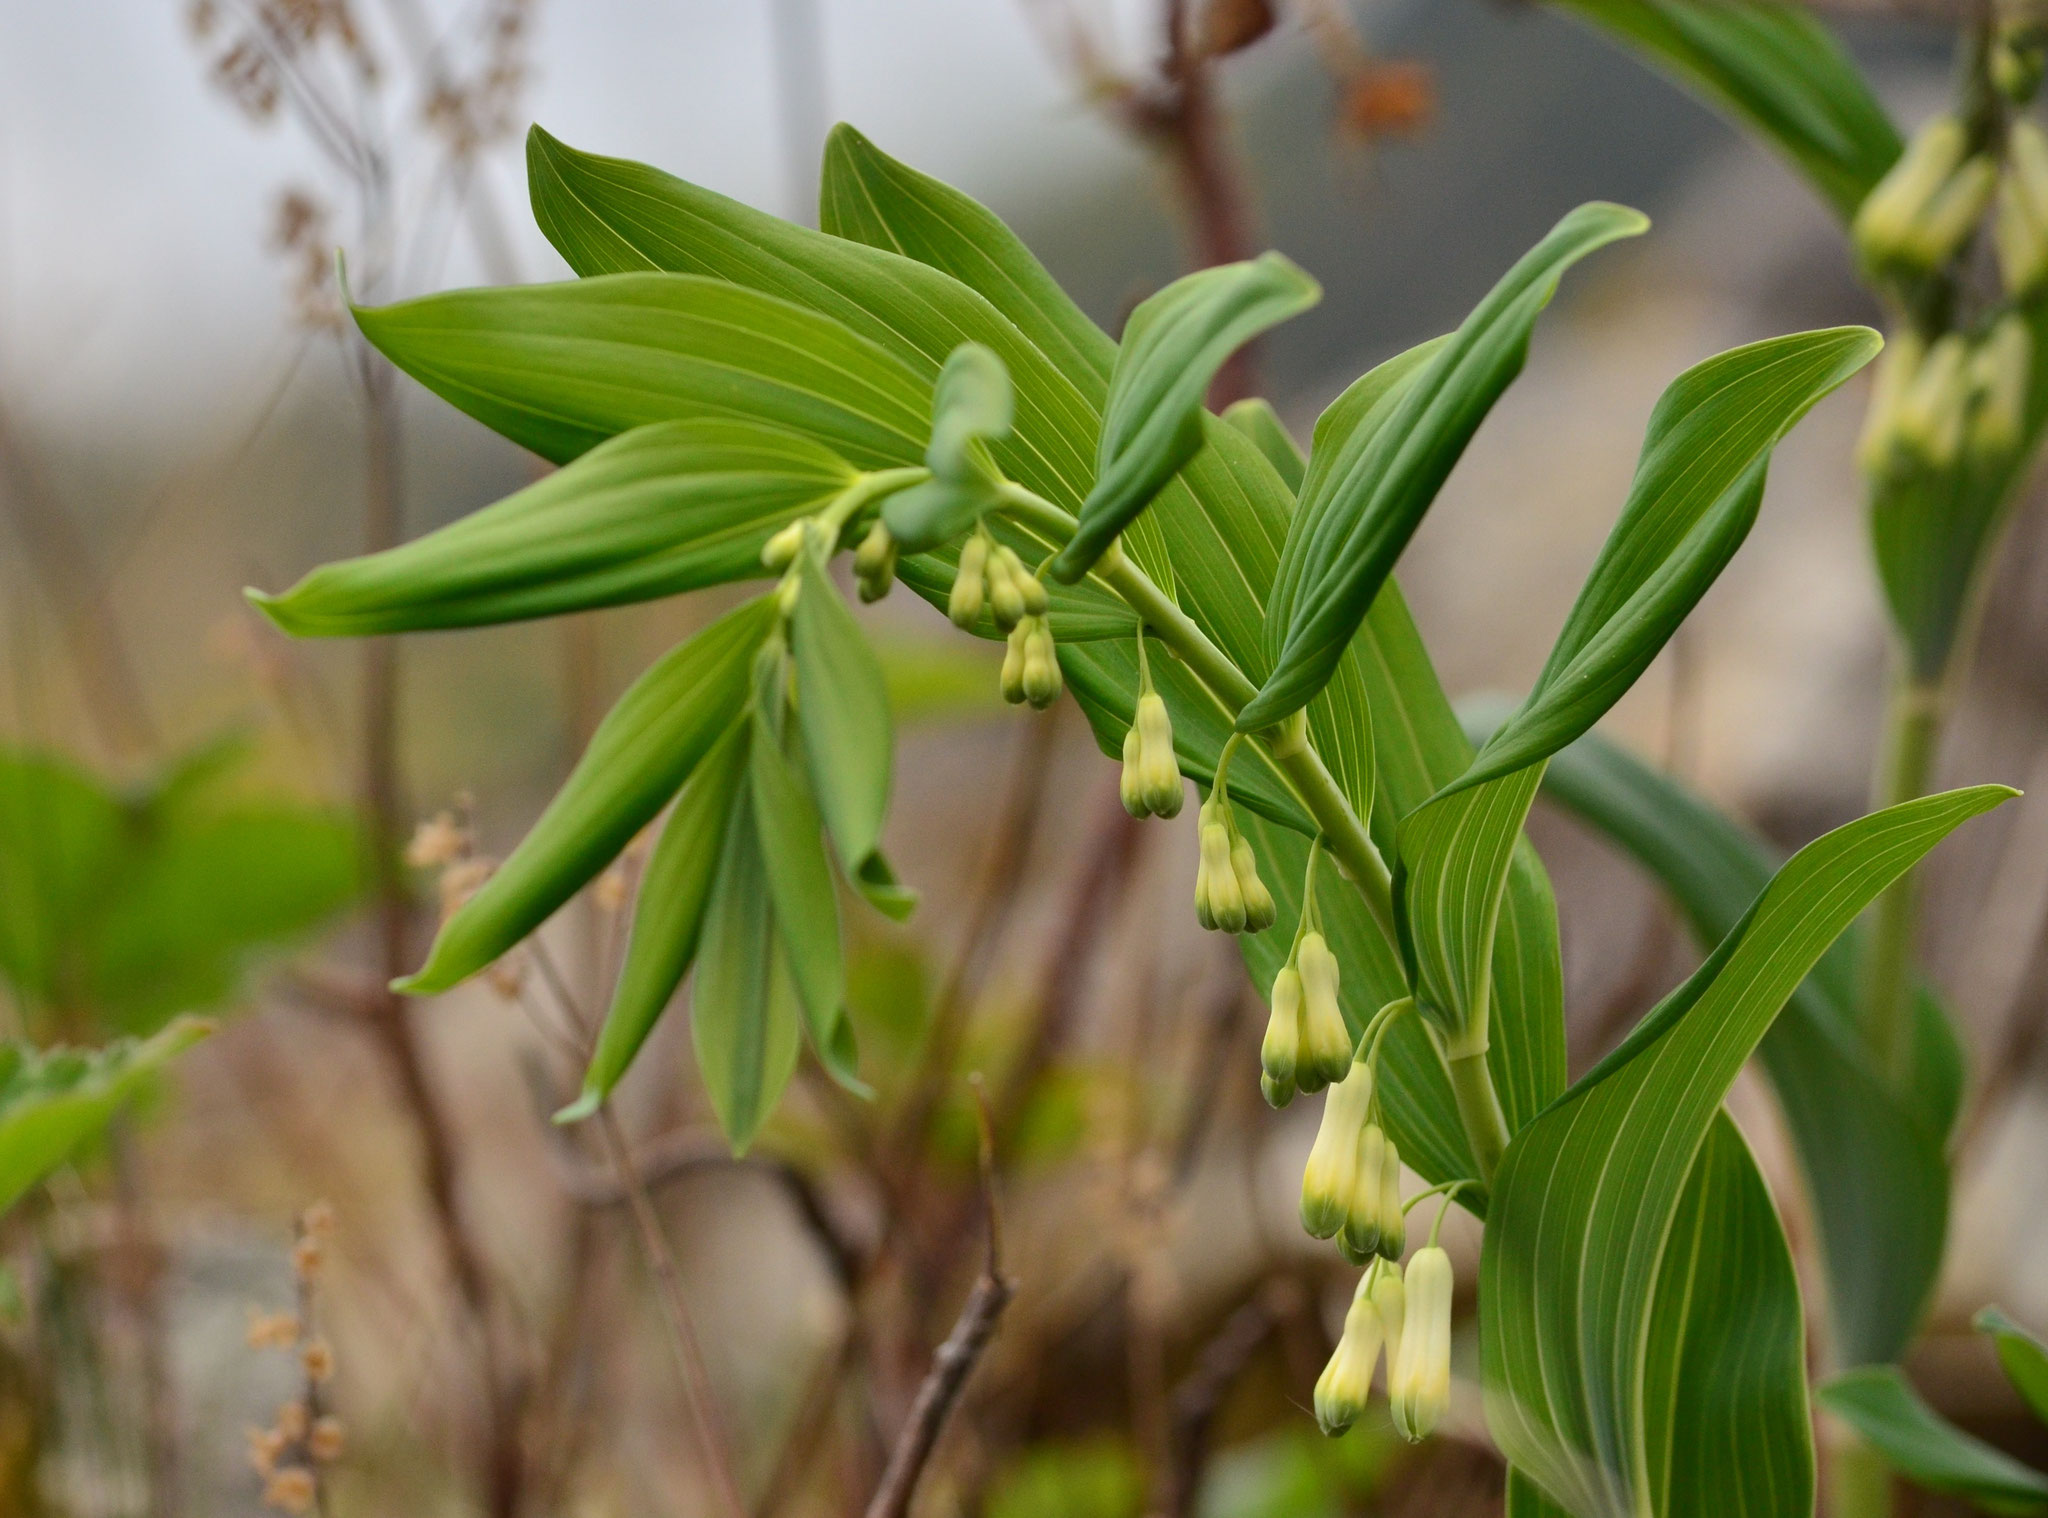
x=1628 y=1223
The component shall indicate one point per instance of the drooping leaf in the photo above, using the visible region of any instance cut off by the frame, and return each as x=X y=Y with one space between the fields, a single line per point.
x=1382 y=479
x=792 y=845
x=560 y=368
x=2023 y=1356
x=637 y=759
x=1774 y=67
x=1152 y=421
x=744 y=1017
x=1881 y=1405
x=664 y=508
x=1628 y=1224
x=972 y=406
x=51 y=1101
x=843 y=713
x=668 y=916
x=1873 y=1158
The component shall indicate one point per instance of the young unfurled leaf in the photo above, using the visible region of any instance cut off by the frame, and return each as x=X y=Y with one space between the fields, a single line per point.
x=51 y=1101
x=1380 y=485
x=665 y=508
x=843 y=713
x=799 y=875
x=641 y=753
x=1773 y=65
x=1172 y=347
x=1873 y=1156
x=1695 y=495
x=972 y=406
x=1881 y=1405
x=560 y=368
x=744 y=1017
x=668 y=916
x=2022 y=1354
x=1628 y=1228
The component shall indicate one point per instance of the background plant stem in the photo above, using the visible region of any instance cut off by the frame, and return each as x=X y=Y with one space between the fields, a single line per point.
x=1913 y=724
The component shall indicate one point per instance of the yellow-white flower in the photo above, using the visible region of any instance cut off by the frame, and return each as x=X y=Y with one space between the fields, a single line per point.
x=1345 y=1385
x=1325 y=1040
x=1280 y=1053
x=1997 y=379
x=1419 y=1386
x=1260 y=910
x=970 y=580
x=1219 y=899
x=1329 y=1182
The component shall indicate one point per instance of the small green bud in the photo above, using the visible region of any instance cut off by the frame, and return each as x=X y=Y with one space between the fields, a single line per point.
x=1902 y=358
x=1998 y=373
x=2019 y=232
x=2017 y=62
x=874 y=562
x=1325 y=1039
x=1260 y=910
x=1886 y=227
x=1219 y=900
x=779 y=552
x=1952 y=215
x=1390 y=1298
x=1130 y=786
x=1364 y=1227
x=1013 y=664
x=1005 y=594
x=1929 y=421
x=1345 y=1386
x=1036 y=601
x=969 y=582
x=1042 y=680
x=1329 y=1182
x=1419 y=1385
x=1277 y=1093
x=1158 y=771
x=1280 y=1053
x=1393 y=1222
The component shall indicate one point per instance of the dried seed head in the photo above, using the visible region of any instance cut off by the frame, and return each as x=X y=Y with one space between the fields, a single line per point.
x=291 y=1490
x=265 y=1446
x=438 y=841
x=317 y=1360
x=326 y=1439
x=292 y=1421
x=272 y=1330
x=308 y=1255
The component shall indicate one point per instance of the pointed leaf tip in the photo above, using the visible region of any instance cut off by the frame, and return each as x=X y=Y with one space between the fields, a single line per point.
x=585 y=1106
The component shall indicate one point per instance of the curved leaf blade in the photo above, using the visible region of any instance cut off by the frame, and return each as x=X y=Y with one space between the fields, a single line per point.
x=668 y=917
x=1881 y=1405
x=843 y=715
x=638 y=758
x=662 y=509
x=1582 y=1364
x=1152 y=421
x=1775 y=68
x=2023 y=1356
x=1381 y=485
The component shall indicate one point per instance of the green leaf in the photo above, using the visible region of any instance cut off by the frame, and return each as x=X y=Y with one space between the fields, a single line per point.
x=792 y=844
x=2024 y=1357
x=667 y=917
x=1261 y=425
x=1695 y=496
x=1629 y=1227
x=1873 y=1158
x=638 y=758
x=1775 y=68
x=560 y=368
x=744 y=1016
x=52 y=1101
x=1172 y=347
x=664 y=508
x=972 y=406
x=1881 y=1405
x=1360 y=507
x=843 y=714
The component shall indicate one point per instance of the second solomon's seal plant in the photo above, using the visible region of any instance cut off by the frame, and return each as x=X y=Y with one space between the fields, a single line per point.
x=732 y=397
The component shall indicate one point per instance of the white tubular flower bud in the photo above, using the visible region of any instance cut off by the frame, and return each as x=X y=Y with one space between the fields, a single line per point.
x=1886 y=223
x=1329 y=1182
x=1042 y=679
x=1130 y=785
x=1393 y=1222
x=1005 y=595
x=779 y=552
x=1013 y=665
x=1325 y=1040
x=1219 y=902
x=1345 y=1385
x=1998 y=373
x=1390 y=1297
x=1420 y=1384
x=1359 y=1239
x=969 y=582
x=1159 y=772
x=1903 y=354
x=1952 y=215
x=1929 y=421
x=1260 y=910
x=1036 y=602
x=874 y=562
x=2019 y=232
x=1280 y=1053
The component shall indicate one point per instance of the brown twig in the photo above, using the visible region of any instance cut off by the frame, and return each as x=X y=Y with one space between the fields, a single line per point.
x=955 y=1359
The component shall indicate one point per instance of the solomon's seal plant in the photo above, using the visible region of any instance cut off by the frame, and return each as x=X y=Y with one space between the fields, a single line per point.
x=732 y=396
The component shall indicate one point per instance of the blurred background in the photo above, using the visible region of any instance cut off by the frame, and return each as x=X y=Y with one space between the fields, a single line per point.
x=182 y=414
